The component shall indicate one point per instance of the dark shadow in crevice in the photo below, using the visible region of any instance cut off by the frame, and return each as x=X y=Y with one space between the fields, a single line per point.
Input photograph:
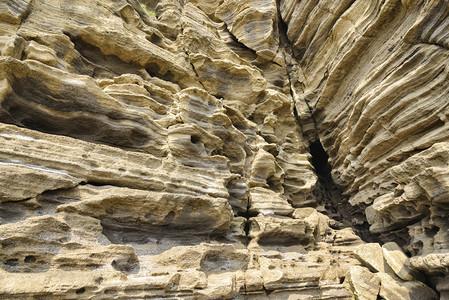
x=154 y=239
x=96 y=64
x=330 y=197
x=320 y=161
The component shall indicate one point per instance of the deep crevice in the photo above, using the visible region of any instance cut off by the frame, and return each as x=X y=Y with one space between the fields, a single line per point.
x=327 y=193
x=331 y=199
x=320 y=161
x=247 y=227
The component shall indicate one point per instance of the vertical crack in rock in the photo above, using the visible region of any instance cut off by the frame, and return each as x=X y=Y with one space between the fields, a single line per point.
x=190 y=61
x=247 y=222
x=329 y=196
x=27 y=12
x=301 y=108
x=327 y=188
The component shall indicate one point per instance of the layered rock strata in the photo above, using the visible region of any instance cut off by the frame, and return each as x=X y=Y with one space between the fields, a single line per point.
x=170 y=156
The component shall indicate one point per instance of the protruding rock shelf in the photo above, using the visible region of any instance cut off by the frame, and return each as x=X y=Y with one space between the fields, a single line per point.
x=197 y=149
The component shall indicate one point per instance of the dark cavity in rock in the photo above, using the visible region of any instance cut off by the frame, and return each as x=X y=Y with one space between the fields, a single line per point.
x=330 y=199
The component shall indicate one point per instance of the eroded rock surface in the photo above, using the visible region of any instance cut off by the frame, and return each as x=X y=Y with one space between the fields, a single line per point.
x=224 y=149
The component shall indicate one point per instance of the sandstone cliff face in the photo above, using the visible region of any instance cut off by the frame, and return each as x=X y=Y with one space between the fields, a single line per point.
x=249 y=149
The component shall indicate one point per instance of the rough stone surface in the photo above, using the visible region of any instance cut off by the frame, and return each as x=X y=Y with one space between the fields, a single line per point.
x=362 y=283
x=222 y=149
x=371 y=255
x=397 y=261
x=392 y=288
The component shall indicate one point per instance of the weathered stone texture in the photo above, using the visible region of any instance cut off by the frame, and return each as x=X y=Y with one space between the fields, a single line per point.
x=376 y=87
x=168 y=156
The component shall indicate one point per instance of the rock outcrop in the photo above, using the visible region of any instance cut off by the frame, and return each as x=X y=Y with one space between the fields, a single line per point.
x=224 y=149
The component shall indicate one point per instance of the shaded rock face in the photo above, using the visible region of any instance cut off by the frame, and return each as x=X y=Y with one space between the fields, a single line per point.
x=224 y=149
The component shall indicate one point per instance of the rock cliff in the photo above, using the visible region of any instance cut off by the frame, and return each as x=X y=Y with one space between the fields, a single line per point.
x=224 y=149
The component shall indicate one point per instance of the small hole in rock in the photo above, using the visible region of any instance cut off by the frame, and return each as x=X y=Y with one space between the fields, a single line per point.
x=30 y=259
x=168 y=76
x=278 y=83
x=122 y=266
x=109 y=292
x=155 y=39
x=169 y=218
x=153 y=69
x=195 y=139
x=99 y=280
x=80 y=291
x=12 y=262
